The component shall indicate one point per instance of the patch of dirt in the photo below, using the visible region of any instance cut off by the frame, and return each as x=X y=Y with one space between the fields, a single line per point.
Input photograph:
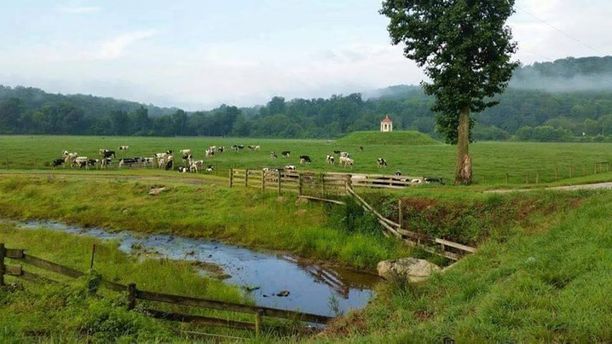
x=343 y=326
x=419 y=204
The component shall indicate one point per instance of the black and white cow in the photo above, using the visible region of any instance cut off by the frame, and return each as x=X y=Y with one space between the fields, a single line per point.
x=305 y=159
x=129 y=162
x=124 y=148
x=57 y=162
x=107 y=153
x=346 y=161
x=290 y=167
x=286 y=154
x=210 y=168
x=273 y=155
x=330 y=159
x=381 y=162
x=182 y=169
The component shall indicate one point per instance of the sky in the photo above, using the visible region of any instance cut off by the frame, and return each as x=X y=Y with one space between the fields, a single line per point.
x=198 y=54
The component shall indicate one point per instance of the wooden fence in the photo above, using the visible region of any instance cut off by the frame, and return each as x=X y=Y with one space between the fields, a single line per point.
x=438 y=246
x=134 y=294
x=307 y=182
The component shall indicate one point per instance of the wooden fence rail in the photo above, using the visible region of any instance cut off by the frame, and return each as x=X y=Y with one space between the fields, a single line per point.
x=134 y=294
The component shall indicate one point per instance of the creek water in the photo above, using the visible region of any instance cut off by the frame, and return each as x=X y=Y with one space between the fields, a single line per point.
x=272 y=280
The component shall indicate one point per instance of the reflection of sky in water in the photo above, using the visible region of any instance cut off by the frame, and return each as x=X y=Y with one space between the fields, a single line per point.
x=269 y=272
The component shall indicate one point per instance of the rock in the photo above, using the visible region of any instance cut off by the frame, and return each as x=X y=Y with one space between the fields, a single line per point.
x=157 y=191
x=415 y=270
x=283 y=293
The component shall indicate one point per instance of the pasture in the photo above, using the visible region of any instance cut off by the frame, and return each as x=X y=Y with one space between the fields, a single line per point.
x=492 y=160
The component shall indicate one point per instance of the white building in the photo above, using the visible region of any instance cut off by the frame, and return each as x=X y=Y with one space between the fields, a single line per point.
x=386 y=125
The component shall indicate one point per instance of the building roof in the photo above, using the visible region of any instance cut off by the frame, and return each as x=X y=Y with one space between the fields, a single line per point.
x=387 y=119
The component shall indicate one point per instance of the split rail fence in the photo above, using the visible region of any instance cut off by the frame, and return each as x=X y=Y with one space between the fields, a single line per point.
x=134 y=294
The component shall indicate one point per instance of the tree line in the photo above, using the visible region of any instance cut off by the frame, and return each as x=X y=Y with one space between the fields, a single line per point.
x=522 y=114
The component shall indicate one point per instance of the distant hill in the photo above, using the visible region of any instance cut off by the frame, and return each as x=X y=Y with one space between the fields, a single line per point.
x=92 y=106
x=411 y=138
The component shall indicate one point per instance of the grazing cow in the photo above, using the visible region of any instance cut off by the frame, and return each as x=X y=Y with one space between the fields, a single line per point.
x=209 y=152
x=57 y=162
x=107 y=153
x=93 y=162
x=195 y=165
x=398 y=173
x=253 y=148
x=290 y=167
x=69 y=158
x=237 y=147
x=221 y=149
x=346 y=161
x=169 y=163
x=148 y=162
x=434 y=180
x=330 y=159
x=210 y=168
x=124 y=148
x=185 y=153
x=381 y=162
x=285 y=154
x=345 y=154
x=129 y=162
x=80 y=162
x=105 y=162
x=268 y=169
x=305 y=159
x=182 y=169
x=273 y=155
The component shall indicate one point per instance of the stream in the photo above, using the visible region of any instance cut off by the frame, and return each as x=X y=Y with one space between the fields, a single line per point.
x=272 y=280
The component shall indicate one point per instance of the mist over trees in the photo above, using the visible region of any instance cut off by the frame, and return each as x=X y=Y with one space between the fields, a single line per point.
x=526 y=114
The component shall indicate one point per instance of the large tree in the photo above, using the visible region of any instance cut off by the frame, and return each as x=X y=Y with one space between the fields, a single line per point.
x=465 y=48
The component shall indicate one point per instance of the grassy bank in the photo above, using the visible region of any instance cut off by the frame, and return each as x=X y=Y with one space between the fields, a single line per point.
x=35 y=312
x=237 y=215
x=548 y=282
x=492 y=160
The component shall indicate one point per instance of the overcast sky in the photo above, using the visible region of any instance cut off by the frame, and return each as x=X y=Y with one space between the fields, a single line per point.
x=197 y=54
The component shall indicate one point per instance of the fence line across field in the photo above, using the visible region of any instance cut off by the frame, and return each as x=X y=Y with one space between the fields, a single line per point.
x=134 y=294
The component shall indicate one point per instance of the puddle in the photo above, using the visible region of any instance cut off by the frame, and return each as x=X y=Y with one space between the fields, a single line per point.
x=268 y=277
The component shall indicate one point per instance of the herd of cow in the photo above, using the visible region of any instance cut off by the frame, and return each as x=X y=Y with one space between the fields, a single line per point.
x=165 y=160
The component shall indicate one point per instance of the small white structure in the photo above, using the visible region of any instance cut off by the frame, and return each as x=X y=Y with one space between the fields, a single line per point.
x=386 y=125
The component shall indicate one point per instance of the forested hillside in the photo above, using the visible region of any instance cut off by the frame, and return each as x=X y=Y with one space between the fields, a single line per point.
x=536 y=108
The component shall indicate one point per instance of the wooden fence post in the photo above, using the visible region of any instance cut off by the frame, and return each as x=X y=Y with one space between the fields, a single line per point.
x=93 y=254
x=300 y=184
x=231 y=177
x=131 y=288
x=2 y=266
x=258 y=322
x=400 y=213
x=280 y=180
x=246 y=178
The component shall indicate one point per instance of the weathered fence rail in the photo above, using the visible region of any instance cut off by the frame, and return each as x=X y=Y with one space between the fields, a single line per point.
x=327 y=183
x=134 y=294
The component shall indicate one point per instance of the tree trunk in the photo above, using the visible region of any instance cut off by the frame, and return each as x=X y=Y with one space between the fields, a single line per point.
x=463 y=172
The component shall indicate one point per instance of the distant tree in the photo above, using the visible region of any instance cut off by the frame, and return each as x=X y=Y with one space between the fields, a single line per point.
x=10 y=113
x=465 y=47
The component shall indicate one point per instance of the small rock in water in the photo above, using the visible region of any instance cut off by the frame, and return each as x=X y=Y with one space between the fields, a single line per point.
x=250 y=289
x=210 y=256
x=283 y=293
x=412 y=269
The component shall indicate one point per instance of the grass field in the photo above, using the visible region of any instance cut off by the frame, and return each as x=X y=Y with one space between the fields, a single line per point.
x=492 y=160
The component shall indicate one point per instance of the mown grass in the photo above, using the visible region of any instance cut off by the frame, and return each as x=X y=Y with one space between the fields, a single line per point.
x=549 y=282
x=392 y=138
x=247 y=217
x=35 y=312
x=492 y=160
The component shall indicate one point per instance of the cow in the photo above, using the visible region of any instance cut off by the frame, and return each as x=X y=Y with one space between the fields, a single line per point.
x=69 y=158
x=80 y=162
x=169 y=163
x=129 y=162
x=290 y=167
x=182 y=169
x=346 y=161
x=305 y=159
x=237 y=147
x=434 y=180
x=398 y=173
x=57 y=162
x=254 y=148
x=273 y=155
x=107 y=153
x=185 y=154
x=330 y=159
x=210 y=168
x=93 y=162
x=148 y=162
x=286 y=154
x=221 y=149
x=336 y=152
x=105 y=162
x=345 y=154
x=124 y=148
x=209 y=152
x=381 y=162
x=195 y=165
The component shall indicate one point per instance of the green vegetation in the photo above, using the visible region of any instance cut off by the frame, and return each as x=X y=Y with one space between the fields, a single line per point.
x=491 y=160
x=549 y=282
x=236 y=215
x=393 y=138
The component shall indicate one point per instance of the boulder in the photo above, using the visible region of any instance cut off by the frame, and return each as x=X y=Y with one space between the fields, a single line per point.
x=413 y=269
